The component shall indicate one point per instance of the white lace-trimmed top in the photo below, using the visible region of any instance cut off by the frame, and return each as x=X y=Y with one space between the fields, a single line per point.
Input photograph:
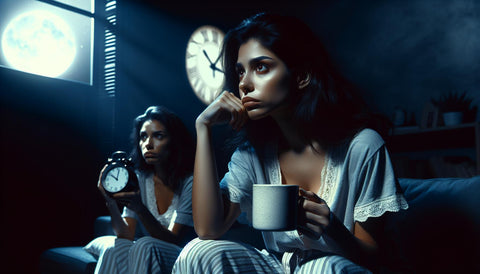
x=179 y=211
x=357 y=183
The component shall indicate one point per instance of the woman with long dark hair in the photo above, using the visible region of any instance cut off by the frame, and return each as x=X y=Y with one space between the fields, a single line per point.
x=304 y=125
x=163 y=152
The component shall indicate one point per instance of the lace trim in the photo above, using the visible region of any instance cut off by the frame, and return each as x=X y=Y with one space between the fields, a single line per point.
x=165 y=218
x=327 y=189
x=377 y=208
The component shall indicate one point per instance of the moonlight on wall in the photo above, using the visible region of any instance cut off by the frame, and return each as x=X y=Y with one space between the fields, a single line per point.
x=39 y=42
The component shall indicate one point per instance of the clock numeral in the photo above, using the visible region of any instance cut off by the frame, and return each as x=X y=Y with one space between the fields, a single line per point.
x=201 y=87
x=215 y=37
x=195 y=83
x=205 y=35
x=208 y=94
x=200 y=91
x=192 y=71
x=189 y=55
x=198 y=85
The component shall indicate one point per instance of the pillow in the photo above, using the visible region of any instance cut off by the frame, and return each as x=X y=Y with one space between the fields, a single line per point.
x=98 y=245
x=459 y=194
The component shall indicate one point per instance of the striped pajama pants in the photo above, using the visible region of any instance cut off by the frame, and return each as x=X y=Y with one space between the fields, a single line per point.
x=146 y=255
x=219 y=256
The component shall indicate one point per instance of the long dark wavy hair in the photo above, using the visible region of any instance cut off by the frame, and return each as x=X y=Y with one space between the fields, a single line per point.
x=181 y=145
x=329 y=110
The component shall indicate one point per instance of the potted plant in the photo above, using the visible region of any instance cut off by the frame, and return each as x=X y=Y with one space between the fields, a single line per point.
x=454 y=106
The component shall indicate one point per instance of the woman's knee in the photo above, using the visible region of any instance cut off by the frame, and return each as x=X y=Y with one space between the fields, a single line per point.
x=113 y=245
x=145 y=241
x=330 y=264
x=148 y=241
x=199 y=255
x=220 y=256
x=198 y=249
x=149 y=245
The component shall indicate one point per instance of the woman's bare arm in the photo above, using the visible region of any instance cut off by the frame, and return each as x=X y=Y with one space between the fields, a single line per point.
x=212 y=215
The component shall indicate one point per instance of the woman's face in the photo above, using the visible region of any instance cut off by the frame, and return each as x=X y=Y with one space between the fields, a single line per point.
x=263 y=80
x=154 y=141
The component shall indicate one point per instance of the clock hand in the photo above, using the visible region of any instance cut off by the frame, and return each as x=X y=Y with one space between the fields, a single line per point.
x=218 y=58
x=208 y=58
x=217 y=69
x=116 y=179
x=212 y=65
x=214 y=68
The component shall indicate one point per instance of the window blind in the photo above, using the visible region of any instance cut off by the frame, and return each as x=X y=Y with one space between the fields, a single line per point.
x=110 y=47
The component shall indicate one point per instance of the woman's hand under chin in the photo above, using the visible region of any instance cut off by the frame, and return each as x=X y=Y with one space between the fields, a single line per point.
x=227 y=108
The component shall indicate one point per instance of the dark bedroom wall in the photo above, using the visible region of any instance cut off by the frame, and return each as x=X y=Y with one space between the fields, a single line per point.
x=404 y=52
x=49 y=168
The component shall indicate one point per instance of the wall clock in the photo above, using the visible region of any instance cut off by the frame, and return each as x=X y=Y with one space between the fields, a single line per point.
x=204 y=64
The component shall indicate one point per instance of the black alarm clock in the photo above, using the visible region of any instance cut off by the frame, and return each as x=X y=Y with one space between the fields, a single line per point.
x=119 y=175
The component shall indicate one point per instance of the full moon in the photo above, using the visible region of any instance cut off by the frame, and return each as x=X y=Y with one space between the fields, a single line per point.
x=39 y=42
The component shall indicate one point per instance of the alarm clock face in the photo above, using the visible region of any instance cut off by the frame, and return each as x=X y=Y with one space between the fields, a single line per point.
x=116 y=179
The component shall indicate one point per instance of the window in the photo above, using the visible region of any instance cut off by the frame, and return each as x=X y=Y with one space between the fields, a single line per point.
x=48 y=38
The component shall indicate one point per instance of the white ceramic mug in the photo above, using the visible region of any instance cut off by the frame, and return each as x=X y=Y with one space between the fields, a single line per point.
x=274 y=207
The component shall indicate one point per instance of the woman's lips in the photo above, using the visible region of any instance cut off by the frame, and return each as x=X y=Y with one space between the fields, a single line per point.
x=149 y=155
x=250 y=103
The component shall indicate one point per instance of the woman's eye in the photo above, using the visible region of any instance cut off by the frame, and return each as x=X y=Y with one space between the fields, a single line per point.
x=143 y=137
x=261 y=67
x=240 y=72
x=159 y=135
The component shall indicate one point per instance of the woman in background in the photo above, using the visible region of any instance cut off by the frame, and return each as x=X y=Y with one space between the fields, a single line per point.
x=163 y=151
x=303 y=126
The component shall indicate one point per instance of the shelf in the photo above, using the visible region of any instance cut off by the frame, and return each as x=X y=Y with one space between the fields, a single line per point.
x=416 y=139
x=416 y=129
x=404 y=140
